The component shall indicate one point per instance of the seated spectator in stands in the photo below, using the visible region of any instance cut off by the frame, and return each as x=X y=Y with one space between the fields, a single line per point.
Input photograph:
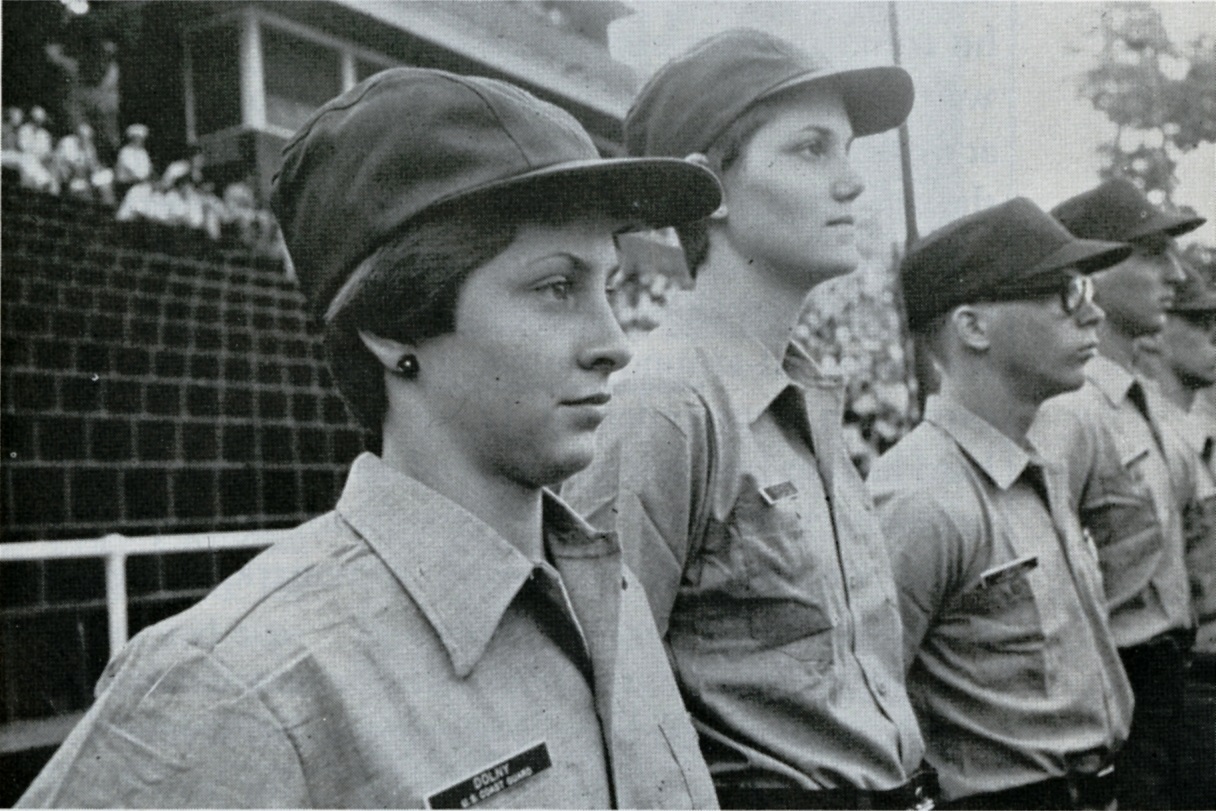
x=452 y=632
x=249 y=224
x=33 y=138
x=13 y=118
x=133 y=164
x=204 y=210
x=150 y=200
x=11 y=157
x=78 y=169
x=214 y=211
x=34 y=142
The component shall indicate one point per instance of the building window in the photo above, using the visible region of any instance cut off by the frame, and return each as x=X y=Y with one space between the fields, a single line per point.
x=215 y=79
x=300 y=76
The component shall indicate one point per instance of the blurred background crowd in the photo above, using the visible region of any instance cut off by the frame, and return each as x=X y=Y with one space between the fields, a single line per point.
x=126 y=180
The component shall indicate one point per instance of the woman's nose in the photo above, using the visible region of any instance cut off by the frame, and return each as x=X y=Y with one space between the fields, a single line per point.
x=848 y=186
x=606 y=348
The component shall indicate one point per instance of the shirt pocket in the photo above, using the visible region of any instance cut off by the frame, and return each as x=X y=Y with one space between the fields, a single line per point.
x=769 y=536
x=1004 y=635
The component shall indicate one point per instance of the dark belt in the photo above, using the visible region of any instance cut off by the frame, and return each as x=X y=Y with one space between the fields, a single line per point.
x=1180 y=639
x=1073 y=791
x=917 y=793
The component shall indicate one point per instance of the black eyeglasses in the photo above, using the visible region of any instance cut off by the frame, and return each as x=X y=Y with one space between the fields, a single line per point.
x=1075 y=292
x=1078 y=291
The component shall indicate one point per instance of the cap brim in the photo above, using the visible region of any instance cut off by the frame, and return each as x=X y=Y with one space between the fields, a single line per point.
x=878 y=98
x=641 y=192
x=1171 y=225
x=1086 y=255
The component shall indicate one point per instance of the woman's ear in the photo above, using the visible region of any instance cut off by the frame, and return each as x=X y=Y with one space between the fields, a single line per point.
x=702 y=160
x=386 y=350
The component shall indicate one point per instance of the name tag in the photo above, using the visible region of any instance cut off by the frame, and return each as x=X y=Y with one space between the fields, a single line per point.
x=1008 y=571
x=776 y=492
x=493 y=779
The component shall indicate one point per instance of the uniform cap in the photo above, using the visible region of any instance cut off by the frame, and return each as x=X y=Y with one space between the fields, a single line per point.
x=1118 y=210
x=697 y=95
x=1010 y=252
x=406 y=140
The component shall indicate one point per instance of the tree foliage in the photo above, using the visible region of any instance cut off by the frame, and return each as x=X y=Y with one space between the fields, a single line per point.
x=1161 y=97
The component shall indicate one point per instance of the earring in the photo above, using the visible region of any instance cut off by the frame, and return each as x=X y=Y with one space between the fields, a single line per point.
x=408 y=366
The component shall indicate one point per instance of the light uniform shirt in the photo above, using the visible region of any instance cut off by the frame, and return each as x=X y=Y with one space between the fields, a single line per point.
x=1188 y=446
x=394 y=653
x=1015 y=679
x=1121 y=485
x=1203 y=411
x=726 y=477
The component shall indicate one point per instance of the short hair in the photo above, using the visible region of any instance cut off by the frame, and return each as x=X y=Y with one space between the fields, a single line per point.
x=726 y=149
x=932 y=336
x=409 y=294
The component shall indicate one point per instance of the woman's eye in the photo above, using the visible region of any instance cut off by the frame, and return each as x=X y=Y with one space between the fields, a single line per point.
x=816 y=148
x=560 y=289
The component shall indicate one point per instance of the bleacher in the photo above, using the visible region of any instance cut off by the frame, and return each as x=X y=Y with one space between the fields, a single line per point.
x=151 y=383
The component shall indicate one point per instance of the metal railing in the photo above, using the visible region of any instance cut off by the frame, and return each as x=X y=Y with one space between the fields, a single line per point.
x=21 y=735
x=115 y=549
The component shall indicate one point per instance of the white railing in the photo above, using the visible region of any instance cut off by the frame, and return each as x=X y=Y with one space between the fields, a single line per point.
x=17 y=736
x=115 y=549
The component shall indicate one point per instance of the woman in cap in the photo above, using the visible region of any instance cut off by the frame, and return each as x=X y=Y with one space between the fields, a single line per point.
x=723 y=465
x=451 y=633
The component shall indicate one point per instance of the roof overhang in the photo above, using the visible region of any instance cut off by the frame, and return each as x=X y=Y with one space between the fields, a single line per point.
x=505 y=38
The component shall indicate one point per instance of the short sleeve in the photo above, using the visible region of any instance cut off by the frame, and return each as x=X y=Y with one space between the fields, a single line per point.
x=648 y=482
x=173 y=729
x=926 y=548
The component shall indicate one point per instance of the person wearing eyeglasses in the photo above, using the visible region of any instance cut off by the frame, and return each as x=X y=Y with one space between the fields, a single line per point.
x=1110 y=437
x=1011 y=665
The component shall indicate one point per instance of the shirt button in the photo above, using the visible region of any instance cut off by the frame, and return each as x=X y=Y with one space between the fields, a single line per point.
x=882 y=690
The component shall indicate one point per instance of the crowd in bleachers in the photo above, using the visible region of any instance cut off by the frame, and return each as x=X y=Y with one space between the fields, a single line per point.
x=180 y=195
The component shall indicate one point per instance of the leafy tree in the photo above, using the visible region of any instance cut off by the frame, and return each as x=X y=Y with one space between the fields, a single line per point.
x=1160 y=97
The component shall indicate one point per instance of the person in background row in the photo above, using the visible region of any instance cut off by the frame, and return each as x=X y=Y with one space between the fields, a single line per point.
x=155 y=199
x=13 y=118
x=451 y=633
x=1182 y=360
x=11 y=156
x=133 y=164
x=78 y=169
x=1012 y=667
x=1126 y=481
x=725 y=469
x=35 y=144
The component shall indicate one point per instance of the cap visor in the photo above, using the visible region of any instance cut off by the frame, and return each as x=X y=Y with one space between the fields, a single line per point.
x=877 y=98
x=643 y=192
x=1086 y=255
x=1169 y=224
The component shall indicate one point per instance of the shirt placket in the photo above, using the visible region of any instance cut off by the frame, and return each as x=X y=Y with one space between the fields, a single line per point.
x=1088 y=598
x=823 y=409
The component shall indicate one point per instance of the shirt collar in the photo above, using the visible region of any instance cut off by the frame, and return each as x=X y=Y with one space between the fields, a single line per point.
x=462 y=574
x=751 y=376
x=1111 y=379
x=1001 y=459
